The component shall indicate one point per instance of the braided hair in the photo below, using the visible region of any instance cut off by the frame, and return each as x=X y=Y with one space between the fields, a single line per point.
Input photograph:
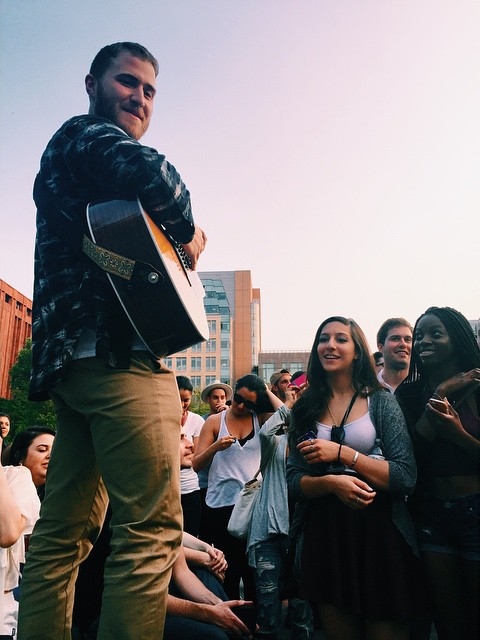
x=465 y=346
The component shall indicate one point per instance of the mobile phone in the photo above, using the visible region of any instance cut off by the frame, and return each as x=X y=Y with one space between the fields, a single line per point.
x=440 y=405
x=247 y=614
x=310 y=435
x=299 y=381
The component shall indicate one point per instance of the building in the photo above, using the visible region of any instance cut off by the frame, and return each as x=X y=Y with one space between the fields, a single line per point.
x=15 y=329
x=232 y=306
x=475 y=324
x=270 y=361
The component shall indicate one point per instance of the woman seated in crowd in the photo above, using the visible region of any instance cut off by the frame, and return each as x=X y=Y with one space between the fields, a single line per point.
x=32 y=448
x=19 y=510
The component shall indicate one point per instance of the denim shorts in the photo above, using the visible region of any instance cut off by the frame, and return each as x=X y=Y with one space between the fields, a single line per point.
x=451 y=526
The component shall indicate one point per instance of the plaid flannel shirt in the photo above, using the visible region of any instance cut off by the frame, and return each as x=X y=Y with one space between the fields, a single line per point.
x=89 y=159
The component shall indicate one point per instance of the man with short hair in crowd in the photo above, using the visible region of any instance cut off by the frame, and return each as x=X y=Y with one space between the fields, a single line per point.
x=216 y=395
x=394 y=341
x=279 y=381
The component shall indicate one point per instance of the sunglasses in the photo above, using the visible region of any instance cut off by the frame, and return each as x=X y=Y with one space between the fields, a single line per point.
x=238 y=399
x=337 y=434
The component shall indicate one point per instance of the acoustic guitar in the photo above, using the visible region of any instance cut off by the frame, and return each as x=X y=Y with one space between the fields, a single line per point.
x=150 y=274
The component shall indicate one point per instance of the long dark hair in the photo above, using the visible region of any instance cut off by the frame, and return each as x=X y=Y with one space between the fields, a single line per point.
x=20 y=445
x=464 y=344
x=256 y=384
x=23 y=440
x=314 y=400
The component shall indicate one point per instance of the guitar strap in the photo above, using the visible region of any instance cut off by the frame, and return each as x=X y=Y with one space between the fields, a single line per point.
x=107 y=260
x=69 y=228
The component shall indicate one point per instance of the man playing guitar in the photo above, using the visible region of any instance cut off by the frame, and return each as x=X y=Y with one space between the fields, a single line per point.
x=118 y=410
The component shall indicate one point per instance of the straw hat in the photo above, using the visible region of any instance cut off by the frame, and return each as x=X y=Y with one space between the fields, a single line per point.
x=216 y=384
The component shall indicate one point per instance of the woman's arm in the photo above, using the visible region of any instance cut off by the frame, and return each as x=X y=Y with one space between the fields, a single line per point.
x=12 y=523
x=19 y=504
x=352 y=491
x=458 y=383
x=449 y=426
x=397 y=473
x=275 y=402
x=208 y=444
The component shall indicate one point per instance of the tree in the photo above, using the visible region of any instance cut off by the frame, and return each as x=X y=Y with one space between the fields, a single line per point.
x=22 y=411
x=197 y=405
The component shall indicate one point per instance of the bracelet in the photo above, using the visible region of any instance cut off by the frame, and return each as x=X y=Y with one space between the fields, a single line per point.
x=339 y=450
x=354 y=461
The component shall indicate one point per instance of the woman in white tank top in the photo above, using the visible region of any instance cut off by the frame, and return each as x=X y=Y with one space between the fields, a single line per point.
x=351 y=461
x=229 y=443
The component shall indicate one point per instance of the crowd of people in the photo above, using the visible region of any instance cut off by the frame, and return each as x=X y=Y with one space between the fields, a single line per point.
x=372 y=471
x=367 y=516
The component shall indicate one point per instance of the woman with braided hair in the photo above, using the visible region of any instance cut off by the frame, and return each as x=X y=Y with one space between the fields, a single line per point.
x=440 y=399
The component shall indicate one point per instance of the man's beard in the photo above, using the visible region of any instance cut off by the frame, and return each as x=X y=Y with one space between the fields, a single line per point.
x=396 y=365
x=106 y=108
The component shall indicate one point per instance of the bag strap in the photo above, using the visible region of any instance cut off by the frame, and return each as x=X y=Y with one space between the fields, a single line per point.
x=264 y=461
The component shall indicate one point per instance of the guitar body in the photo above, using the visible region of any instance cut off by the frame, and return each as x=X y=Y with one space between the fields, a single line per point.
x=163 y=299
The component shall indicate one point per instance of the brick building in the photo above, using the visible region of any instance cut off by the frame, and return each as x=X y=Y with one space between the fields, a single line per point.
x=15 y=329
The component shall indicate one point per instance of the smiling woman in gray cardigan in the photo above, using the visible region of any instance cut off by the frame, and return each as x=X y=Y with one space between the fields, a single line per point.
x=359 y=559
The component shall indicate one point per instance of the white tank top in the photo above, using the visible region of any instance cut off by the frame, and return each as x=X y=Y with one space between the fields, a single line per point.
x=360 y=434
x=232 y=468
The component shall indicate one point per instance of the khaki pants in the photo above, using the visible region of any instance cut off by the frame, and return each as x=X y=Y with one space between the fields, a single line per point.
x=117 y=439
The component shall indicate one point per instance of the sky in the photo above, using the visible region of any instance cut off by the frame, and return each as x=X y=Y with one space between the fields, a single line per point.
x=331 y=147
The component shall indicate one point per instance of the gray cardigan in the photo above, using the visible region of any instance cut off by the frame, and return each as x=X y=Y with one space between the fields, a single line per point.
x=391 y=428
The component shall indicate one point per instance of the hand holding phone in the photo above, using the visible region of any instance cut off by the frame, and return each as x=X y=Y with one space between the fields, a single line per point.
x=247 y=614
x=298 y=382
x=439 y=405
x=310 y=435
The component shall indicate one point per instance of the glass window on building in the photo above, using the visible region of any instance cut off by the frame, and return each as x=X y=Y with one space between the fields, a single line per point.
x=196 y=381
x=267 y=369
x=225 y=327
x=212 y=344
x=212 y=326
x=196 y=364
x=295 y=366
x=210 y=363
x=196 y=348
x=181 y=364
x=168 y=363
x=225 y=344
x=209 y=380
